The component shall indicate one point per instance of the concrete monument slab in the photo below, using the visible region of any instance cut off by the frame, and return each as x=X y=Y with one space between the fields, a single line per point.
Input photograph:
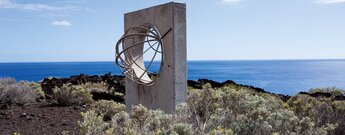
x=166 y=25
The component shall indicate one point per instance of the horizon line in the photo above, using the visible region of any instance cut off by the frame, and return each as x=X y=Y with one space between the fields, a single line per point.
x=82 y=61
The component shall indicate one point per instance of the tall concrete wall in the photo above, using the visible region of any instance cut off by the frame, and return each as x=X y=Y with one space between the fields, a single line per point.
x=170 y=88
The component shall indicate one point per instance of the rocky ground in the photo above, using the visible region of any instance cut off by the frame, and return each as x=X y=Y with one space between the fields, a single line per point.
x=40 y=118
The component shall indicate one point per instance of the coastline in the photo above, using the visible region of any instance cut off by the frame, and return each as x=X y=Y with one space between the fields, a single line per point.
x=117 y=82
x=284 y=77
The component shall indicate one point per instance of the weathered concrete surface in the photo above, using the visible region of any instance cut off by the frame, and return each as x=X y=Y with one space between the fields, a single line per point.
x=170 y=88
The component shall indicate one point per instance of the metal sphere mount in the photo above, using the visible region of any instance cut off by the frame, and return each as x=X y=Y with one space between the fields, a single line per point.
x=131 y=48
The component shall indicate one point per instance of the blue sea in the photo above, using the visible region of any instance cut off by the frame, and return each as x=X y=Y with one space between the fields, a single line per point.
x=278 y=76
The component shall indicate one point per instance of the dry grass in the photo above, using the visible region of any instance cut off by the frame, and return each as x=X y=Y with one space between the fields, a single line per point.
x=13 y=93
x=69 y=95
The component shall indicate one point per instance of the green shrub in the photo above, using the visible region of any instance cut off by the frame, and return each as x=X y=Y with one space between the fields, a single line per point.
x=227 y=110
x=221 y=131
x=333 y=90
x=12 y=92
x=93 y=124
x=69 y=95
x=107 y=108
x=121 y=123
x=200 y=107
x=182 y=129
x=7 y=81
x=139 y=121
x=36 y=87
x=100 y=87
x=322 y=111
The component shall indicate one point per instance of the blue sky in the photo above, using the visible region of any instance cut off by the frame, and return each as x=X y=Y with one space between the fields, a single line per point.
x=87 y=30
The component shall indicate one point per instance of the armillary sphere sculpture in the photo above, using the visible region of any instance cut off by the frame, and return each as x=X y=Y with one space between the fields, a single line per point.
x=161 y=84
x=130 y=51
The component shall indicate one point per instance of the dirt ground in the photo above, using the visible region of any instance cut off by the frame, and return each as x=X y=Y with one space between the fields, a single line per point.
x=40 y=118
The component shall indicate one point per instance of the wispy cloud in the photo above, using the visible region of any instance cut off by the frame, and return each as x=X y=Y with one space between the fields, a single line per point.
x=61 y=23
x=329 y=1
x=231 y=1
x=11 y=4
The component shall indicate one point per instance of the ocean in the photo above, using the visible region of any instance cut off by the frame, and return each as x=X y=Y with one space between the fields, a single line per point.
x=279 y=76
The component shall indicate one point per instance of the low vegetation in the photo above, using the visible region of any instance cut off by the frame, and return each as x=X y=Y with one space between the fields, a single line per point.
x=333 y=90
x=101 y=87
x=226 y=110
x=107 y=108
x=322 y=111
x=14 y=93
x=69 y=95
x=37 y=88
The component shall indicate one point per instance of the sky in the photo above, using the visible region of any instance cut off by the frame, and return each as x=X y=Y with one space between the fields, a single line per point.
x=87 y=30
